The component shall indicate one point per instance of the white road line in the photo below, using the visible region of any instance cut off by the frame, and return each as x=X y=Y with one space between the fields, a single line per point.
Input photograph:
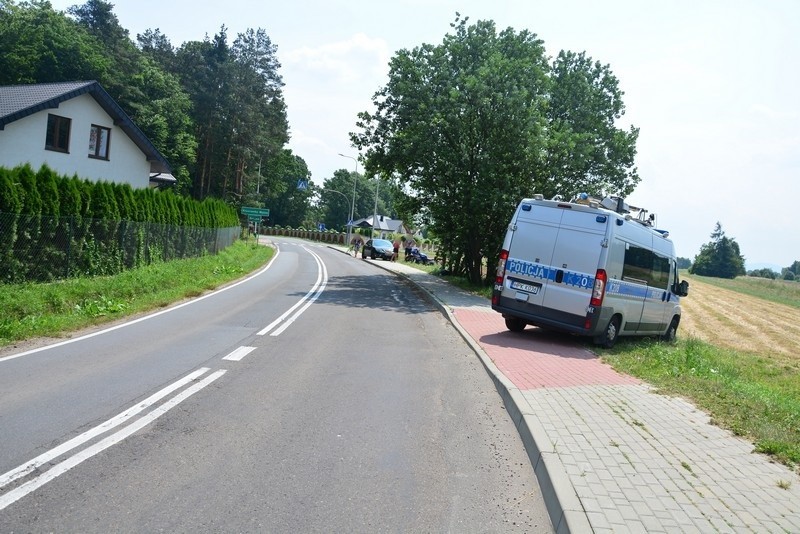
x=57 y=470
x=140 y=319
x=316 y=290
x=239 y=353
x=114 y=422
x=324 y=273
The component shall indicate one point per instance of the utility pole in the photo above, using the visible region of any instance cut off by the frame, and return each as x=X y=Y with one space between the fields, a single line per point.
x=353 y=203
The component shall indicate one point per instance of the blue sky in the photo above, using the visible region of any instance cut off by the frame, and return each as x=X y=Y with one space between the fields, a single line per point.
x=713 y=85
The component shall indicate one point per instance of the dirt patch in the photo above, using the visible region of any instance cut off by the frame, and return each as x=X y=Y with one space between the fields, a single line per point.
x=730 y=319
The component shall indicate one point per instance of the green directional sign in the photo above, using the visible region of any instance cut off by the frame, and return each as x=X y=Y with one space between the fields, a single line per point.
x=260 y=212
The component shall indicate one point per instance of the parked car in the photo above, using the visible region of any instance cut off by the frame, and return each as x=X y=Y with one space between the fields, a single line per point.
x=378 y=248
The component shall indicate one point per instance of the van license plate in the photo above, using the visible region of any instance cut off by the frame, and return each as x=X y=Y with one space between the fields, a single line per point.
x=529 y=288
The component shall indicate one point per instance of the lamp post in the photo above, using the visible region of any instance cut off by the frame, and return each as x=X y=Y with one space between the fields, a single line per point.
x=375 y=212
x=353 y=202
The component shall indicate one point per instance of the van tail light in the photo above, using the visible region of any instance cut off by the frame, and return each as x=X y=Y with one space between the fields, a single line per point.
x=501 y=267
x=599 y=290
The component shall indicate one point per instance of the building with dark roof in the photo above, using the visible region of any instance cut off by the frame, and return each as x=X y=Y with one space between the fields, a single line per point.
x=383 y=225
x=76 y=128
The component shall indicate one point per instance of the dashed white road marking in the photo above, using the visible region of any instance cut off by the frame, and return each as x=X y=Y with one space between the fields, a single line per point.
x=239 y=353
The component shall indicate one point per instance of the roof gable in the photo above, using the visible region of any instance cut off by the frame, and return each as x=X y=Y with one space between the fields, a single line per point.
x=384 y=223
x=19 y=101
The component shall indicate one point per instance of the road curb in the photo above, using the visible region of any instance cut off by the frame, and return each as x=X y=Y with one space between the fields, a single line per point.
x=563 y=506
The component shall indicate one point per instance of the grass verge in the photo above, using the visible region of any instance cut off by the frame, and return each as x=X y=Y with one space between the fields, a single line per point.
x=47 y=310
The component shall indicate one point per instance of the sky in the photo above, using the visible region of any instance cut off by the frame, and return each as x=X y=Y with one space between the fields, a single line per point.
x=712 y=85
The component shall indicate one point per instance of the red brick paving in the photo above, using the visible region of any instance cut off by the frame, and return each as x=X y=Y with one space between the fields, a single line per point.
x=535 y=358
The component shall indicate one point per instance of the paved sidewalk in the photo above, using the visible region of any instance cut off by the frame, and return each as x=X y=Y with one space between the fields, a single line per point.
x=610 y=454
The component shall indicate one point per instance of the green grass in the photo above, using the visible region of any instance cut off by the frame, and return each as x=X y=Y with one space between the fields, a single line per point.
x=44 y=310
x=779 y=291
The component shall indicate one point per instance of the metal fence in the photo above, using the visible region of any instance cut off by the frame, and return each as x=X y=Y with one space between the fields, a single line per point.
x=41 y=249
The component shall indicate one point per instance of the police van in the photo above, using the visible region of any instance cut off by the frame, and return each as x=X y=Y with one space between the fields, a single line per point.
x=592 y=267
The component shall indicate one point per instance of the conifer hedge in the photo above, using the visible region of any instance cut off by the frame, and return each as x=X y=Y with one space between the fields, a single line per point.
x=54 y=226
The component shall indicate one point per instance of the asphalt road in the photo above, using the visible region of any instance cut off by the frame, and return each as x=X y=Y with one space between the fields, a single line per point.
x=322 y=394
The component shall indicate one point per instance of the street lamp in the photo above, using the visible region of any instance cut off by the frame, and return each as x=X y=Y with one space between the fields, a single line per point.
x=353 y=203
x=375 y=213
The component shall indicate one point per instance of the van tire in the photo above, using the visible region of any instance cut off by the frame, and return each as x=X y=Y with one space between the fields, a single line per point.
x=515 y=324
x=672 y=332
x=610 y=335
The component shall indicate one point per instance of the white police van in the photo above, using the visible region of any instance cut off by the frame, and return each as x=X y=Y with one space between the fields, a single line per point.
x=588 y=267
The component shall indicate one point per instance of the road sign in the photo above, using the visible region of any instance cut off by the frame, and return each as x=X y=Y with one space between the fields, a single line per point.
x=254 y=218
x=261 y=212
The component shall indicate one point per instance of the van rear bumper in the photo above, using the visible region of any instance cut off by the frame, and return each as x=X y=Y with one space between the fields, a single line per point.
x=555 y=319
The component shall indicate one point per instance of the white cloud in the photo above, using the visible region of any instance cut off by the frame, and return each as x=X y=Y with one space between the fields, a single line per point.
x=359 y=58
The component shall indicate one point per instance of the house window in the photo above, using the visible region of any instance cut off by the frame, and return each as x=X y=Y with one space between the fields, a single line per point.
x=98 y=142
x=57 y=133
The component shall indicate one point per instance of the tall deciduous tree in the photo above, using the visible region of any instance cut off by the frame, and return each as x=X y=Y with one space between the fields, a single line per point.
x=40 y=45
x=720 y=257
x=586 y=152
x=471 y=126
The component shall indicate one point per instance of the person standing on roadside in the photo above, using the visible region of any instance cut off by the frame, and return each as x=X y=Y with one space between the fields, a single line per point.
x=396 y=250
x=356 y=246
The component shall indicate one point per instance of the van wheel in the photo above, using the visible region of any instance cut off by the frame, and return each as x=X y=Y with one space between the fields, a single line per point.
x=515 y=324
x=609 y=337
x=672 y=332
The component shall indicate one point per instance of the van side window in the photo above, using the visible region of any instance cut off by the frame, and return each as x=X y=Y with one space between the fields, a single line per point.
x=645 y=267
x=660 y=272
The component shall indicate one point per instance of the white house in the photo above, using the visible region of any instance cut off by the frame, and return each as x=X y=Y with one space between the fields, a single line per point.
x=77 y=128
x=383 y=225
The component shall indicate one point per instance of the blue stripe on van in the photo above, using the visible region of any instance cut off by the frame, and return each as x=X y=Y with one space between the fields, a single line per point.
x=545 y=272
x=628 y=289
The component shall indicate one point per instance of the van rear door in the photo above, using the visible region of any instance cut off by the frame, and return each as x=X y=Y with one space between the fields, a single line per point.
x=531 y=252
x=575 y=260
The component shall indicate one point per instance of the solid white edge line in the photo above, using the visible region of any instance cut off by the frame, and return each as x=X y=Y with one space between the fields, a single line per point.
x=277 y=321
x=324 y=274
x=239 y=353
x=115 y=421
x=57 y=470
x=146 y=317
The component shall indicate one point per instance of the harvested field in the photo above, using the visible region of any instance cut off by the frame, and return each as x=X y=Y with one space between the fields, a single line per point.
x=733 y=320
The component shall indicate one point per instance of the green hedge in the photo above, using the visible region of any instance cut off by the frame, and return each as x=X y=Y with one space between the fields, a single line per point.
x=54 y=226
